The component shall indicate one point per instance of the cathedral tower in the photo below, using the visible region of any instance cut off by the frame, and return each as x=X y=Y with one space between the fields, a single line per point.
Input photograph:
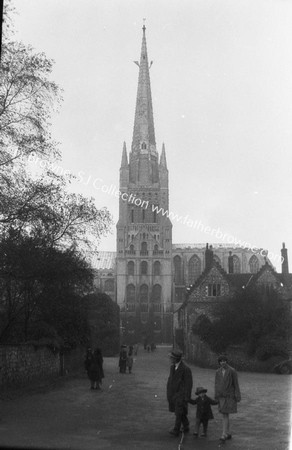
x=144 y=234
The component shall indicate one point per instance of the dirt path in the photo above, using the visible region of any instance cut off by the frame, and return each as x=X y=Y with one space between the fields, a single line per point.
x=131 y=411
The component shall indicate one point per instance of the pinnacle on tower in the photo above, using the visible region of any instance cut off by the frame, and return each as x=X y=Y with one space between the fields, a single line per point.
x=124 y=156
x=162 y=162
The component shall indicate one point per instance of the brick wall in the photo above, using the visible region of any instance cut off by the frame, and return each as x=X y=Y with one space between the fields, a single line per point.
x=22 y=364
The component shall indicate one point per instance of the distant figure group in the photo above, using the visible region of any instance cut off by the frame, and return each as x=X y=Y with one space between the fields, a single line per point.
x=179 y=388
x=126 y=358
x=94 y=367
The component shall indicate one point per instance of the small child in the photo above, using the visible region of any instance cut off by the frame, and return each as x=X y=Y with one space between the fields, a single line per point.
x=204 y=411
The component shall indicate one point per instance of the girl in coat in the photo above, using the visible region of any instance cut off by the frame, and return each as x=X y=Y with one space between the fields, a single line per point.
x=227 y=393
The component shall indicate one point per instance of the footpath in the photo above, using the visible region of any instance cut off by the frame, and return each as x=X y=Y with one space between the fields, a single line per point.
x=131 y=411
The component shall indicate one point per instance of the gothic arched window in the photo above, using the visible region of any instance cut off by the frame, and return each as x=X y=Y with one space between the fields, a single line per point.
x=132 y=249
x=144 y=248
x=177 y=270
x=194 y=269
x=156 y=293
x=254 y=264
x=143 y=146
x=130 y=293
x=144 y=293
x=144 y=268
x=131 y=268
x=236 y=264
x=156 y=268
x=109 y=285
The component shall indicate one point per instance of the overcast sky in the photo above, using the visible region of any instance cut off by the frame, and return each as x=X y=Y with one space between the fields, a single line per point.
x=222 y=98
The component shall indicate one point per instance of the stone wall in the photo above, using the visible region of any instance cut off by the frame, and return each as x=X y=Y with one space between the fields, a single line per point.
x=22 y=364
x=198 y=352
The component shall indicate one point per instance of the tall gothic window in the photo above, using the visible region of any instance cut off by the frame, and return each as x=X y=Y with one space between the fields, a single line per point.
x=156 y=298
x=178 y=279
x=132 y=249
x=130 y=294
x=144 y=298
x=131 y=268
x=144 y=248
x=254 y=264
x=156 y=293
x=236 y=264
x=132 y=215
x=156 y=268
x=109 y=285
x=194 y=269
x=144 y=268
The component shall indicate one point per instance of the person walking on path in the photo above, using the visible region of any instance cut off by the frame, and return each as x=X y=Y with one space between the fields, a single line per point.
x=123 y=359
x=227 y=393
x=95 y=369
x=204 y=411
x=179 y=389
x=130 y=359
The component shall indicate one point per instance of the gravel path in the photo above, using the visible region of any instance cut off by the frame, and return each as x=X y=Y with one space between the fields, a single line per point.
x=131 y=411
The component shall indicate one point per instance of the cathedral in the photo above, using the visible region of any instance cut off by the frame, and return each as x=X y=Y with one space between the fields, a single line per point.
x=148 y=275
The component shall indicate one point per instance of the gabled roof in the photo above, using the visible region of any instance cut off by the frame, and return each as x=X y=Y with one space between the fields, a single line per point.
x=263 y=269
x=239 y=279
x=203 y=275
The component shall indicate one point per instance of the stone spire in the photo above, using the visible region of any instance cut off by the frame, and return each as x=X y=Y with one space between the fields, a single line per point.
x=144 y=135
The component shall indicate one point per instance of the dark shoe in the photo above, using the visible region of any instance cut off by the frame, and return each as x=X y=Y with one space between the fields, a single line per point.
x=229 y=436
x=203 y=435
x=186 y=430
x=196 y=435
x=222 y=439
x=174 y=433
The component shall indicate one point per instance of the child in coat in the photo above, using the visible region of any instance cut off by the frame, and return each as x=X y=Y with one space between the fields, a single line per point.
x=204 y=411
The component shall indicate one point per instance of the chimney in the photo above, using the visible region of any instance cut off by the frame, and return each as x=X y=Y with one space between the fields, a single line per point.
x=230 y=263
x=208 y=257
x=284 y=253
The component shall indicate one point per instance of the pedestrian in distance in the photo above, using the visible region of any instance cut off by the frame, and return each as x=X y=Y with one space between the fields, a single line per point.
x=227 y=393
x=179 y=389
x=95 y=369
x=130 y=359
x=123 y=359
x=204 y=411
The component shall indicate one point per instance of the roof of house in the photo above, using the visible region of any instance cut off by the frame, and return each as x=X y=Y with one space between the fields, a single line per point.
x=102 y=260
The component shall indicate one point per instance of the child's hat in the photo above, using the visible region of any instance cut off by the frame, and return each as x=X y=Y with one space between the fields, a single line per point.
x=201 y=390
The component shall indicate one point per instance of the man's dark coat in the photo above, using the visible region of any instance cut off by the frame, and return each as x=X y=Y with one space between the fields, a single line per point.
x=179 y=387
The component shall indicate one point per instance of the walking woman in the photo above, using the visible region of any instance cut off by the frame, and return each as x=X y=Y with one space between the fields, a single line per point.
x=227 y=393
x=95 y=369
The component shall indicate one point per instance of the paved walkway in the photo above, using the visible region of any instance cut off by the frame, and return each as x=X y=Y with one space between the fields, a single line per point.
x=131 y=411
